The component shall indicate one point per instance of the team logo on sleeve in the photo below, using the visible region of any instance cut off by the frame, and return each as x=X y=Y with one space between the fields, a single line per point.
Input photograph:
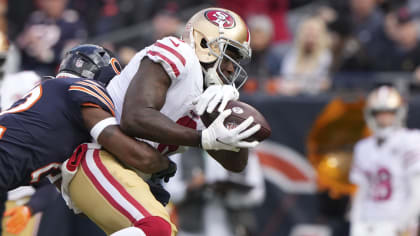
x=220 y=17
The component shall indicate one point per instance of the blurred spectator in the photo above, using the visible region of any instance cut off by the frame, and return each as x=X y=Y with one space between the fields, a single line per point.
x=414 y=6
x=366 y=19
x=367 y=25
x=110 y=17
x=305 y=67
x=9 y=56
x=165 y=23
x=359 y=35
x=125 y=54
x=50 y=31
x=18 y=12
x=404 y=55
x=12 y=60
x=275 y=9
x=264 y=62
x=3 y=12
x=228 y=197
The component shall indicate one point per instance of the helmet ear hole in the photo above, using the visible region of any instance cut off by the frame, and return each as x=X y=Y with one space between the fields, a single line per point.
x=203 y=43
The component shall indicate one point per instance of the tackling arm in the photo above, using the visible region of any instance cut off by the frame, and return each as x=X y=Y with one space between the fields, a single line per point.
x=137 y=154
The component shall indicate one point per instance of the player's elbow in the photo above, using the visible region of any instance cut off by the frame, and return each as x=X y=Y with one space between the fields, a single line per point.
x=130 y=122
x=126 y=123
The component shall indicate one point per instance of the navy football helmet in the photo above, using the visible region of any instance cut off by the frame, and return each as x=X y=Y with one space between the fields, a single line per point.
x=90 y=61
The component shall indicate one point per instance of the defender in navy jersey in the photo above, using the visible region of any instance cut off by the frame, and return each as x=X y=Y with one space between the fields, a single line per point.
x=41 y=130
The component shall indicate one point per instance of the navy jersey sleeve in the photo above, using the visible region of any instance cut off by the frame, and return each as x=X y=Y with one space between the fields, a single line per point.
x=91 y=94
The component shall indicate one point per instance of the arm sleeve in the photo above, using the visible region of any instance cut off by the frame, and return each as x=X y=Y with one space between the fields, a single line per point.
x=91 y=94
x=169 y=53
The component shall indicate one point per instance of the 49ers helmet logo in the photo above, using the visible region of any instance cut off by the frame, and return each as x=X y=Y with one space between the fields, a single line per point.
x=218 y=17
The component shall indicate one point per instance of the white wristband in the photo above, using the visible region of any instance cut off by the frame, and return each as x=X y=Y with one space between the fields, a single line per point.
x=101 y=125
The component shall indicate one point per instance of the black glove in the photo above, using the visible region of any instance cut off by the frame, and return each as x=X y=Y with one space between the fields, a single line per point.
x=159 y=192
x=167 y=173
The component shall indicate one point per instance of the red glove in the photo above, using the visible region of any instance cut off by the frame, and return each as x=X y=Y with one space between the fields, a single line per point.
x=19 y=218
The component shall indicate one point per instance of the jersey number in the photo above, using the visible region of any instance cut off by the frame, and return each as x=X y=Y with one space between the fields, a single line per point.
x=382 y=190
x=30 y=99
x=185 y=121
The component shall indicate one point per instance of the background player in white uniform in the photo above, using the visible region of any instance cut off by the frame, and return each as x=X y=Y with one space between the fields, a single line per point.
x=159 y=97
x=386 y=168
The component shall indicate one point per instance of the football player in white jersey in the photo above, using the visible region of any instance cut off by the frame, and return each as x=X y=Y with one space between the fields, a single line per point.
x=156 y=91
x=159 y=97
x=386 y=169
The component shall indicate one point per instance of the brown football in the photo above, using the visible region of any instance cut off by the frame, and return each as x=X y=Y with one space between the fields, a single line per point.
x=240 y=112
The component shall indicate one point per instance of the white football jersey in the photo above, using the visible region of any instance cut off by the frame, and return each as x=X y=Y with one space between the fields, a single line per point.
x=382 y=173
x=184 y=69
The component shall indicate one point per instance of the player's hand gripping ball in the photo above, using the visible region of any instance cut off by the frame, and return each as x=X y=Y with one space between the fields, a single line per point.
x=240 y=112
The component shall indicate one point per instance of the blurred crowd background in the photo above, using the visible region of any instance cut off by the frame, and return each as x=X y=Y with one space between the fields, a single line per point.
x=310 y=59
x=299 y=46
